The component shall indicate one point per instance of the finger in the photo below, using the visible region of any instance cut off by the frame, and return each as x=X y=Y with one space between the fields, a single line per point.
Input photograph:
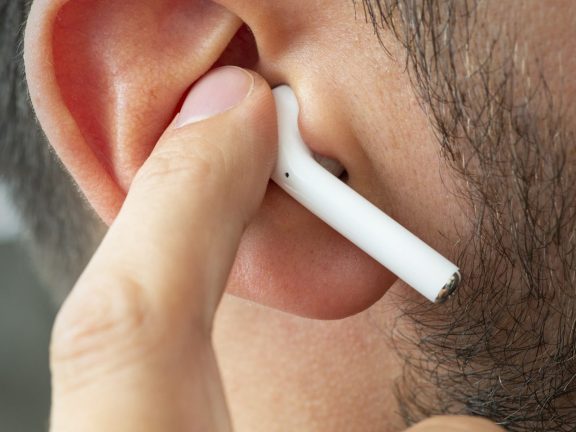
x=455 y=424
x=131 y=347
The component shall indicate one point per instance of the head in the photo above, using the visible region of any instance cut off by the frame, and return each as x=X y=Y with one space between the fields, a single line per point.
x=456 y=118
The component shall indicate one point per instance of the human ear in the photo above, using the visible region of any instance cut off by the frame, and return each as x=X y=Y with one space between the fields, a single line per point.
x=106 y=77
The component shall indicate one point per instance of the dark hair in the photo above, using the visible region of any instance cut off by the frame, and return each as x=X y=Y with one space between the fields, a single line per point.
x=505 y=347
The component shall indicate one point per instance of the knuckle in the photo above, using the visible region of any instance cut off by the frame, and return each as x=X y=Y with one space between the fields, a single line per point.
x=198 y=164
x=103 y=327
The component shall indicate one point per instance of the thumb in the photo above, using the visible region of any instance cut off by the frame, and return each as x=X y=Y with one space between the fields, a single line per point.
x=131 y=346
x=455 y=424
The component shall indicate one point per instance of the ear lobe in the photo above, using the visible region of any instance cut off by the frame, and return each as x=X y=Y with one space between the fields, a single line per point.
x=106 y=77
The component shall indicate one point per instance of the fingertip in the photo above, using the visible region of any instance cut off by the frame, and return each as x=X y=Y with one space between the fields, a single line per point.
x=262 y=116
x=218 y=91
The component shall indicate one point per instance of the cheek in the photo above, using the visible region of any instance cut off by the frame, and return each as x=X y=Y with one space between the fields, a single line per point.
x=410 y=178
x=399 y=165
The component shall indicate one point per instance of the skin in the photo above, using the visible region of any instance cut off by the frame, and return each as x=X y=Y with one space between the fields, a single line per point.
x=281 y=371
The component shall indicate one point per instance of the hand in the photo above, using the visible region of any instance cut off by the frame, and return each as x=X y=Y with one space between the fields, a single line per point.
x=131 y=348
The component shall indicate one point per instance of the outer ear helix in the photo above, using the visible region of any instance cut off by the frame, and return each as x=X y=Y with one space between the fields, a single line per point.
x=106 y=78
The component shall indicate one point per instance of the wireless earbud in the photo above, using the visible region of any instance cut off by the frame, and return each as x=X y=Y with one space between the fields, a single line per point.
x=350 y=214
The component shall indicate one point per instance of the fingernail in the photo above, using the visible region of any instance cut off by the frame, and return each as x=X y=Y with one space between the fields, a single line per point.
x=216 y=92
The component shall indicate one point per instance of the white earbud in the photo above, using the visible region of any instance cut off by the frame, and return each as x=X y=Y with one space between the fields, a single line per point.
x=385 y=240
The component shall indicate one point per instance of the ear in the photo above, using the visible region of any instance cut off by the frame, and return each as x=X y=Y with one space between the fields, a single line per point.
x=106 y=77
x=110 y=78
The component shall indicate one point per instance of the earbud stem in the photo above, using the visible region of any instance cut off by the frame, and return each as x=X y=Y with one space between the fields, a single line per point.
x=352 y=215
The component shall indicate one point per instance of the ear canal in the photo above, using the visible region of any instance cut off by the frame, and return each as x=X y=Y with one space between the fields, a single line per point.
x=123 y=66
x=242 y=50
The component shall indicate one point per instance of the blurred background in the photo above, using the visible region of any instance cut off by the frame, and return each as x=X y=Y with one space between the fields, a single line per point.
x=26 y=316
